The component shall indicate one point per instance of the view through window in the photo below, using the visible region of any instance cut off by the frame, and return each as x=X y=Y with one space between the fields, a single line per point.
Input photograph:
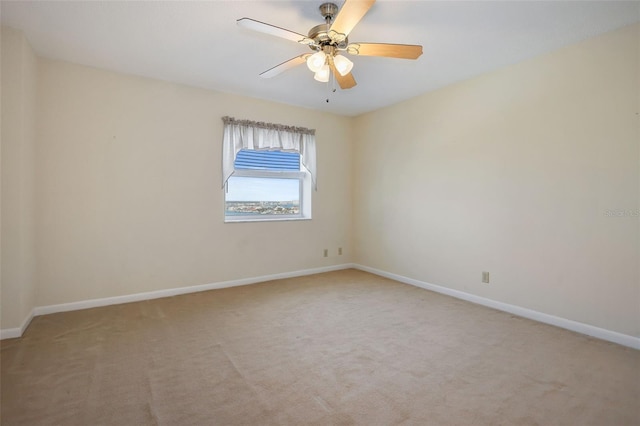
x=265 y=184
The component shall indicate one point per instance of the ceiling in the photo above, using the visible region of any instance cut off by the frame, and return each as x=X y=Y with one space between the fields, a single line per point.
x=199 y=43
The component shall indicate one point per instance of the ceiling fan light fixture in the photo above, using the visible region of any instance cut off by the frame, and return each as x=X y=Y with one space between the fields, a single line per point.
x=322 y=75
x=316 y=61
x=343 y=65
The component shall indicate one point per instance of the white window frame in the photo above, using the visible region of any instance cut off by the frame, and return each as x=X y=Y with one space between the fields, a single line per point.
x=305 y=195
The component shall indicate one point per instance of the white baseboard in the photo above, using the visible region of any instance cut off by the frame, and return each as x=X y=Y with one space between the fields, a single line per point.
x=590 y=330
x=600 y=333
x=116 y=300
x=12 y=333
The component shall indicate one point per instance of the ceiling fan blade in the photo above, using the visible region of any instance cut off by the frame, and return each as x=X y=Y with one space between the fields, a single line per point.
x=345 y=82
x=350 y=14
x=286 y=65
x=402 y=51
x=254 y=25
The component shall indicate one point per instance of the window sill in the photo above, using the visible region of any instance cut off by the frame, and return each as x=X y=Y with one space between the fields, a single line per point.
x=264 y=219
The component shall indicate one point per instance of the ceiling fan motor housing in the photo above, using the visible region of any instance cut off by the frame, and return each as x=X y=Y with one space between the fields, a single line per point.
x=320 y=33
x=328 y=11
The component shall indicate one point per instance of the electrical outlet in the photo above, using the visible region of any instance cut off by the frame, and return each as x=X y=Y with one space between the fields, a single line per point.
x=339 y=251
x=326 y=253
x=485 y=277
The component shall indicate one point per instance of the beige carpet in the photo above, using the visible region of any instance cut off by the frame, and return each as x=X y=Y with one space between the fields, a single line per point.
x=339 y=348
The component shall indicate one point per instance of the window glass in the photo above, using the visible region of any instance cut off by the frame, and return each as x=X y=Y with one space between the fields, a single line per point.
x=262 y=196
x=266 y=185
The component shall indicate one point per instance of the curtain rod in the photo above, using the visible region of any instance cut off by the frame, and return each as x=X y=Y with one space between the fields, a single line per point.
x=271 y=126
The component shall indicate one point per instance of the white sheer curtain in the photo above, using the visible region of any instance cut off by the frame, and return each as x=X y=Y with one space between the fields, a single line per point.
x=244 y=134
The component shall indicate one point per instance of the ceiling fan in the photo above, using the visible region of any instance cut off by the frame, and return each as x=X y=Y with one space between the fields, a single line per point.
x=329 y=40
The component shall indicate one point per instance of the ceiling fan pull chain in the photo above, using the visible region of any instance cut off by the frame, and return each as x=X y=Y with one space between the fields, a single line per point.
x=331 y=85
x=329 y=88
x=333 y=82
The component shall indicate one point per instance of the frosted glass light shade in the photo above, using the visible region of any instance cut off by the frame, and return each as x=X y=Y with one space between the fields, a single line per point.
x=323 y=74
x=343 y=65
x=316 y=61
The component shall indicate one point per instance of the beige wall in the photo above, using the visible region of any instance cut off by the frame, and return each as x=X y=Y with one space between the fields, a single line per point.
x=18 y=101
x=129 y=187
x=512 y=173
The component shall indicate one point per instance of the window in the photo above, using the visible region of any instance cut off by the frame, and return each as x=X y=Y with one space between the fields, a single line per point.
x=267 y=185
x=268 y=171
